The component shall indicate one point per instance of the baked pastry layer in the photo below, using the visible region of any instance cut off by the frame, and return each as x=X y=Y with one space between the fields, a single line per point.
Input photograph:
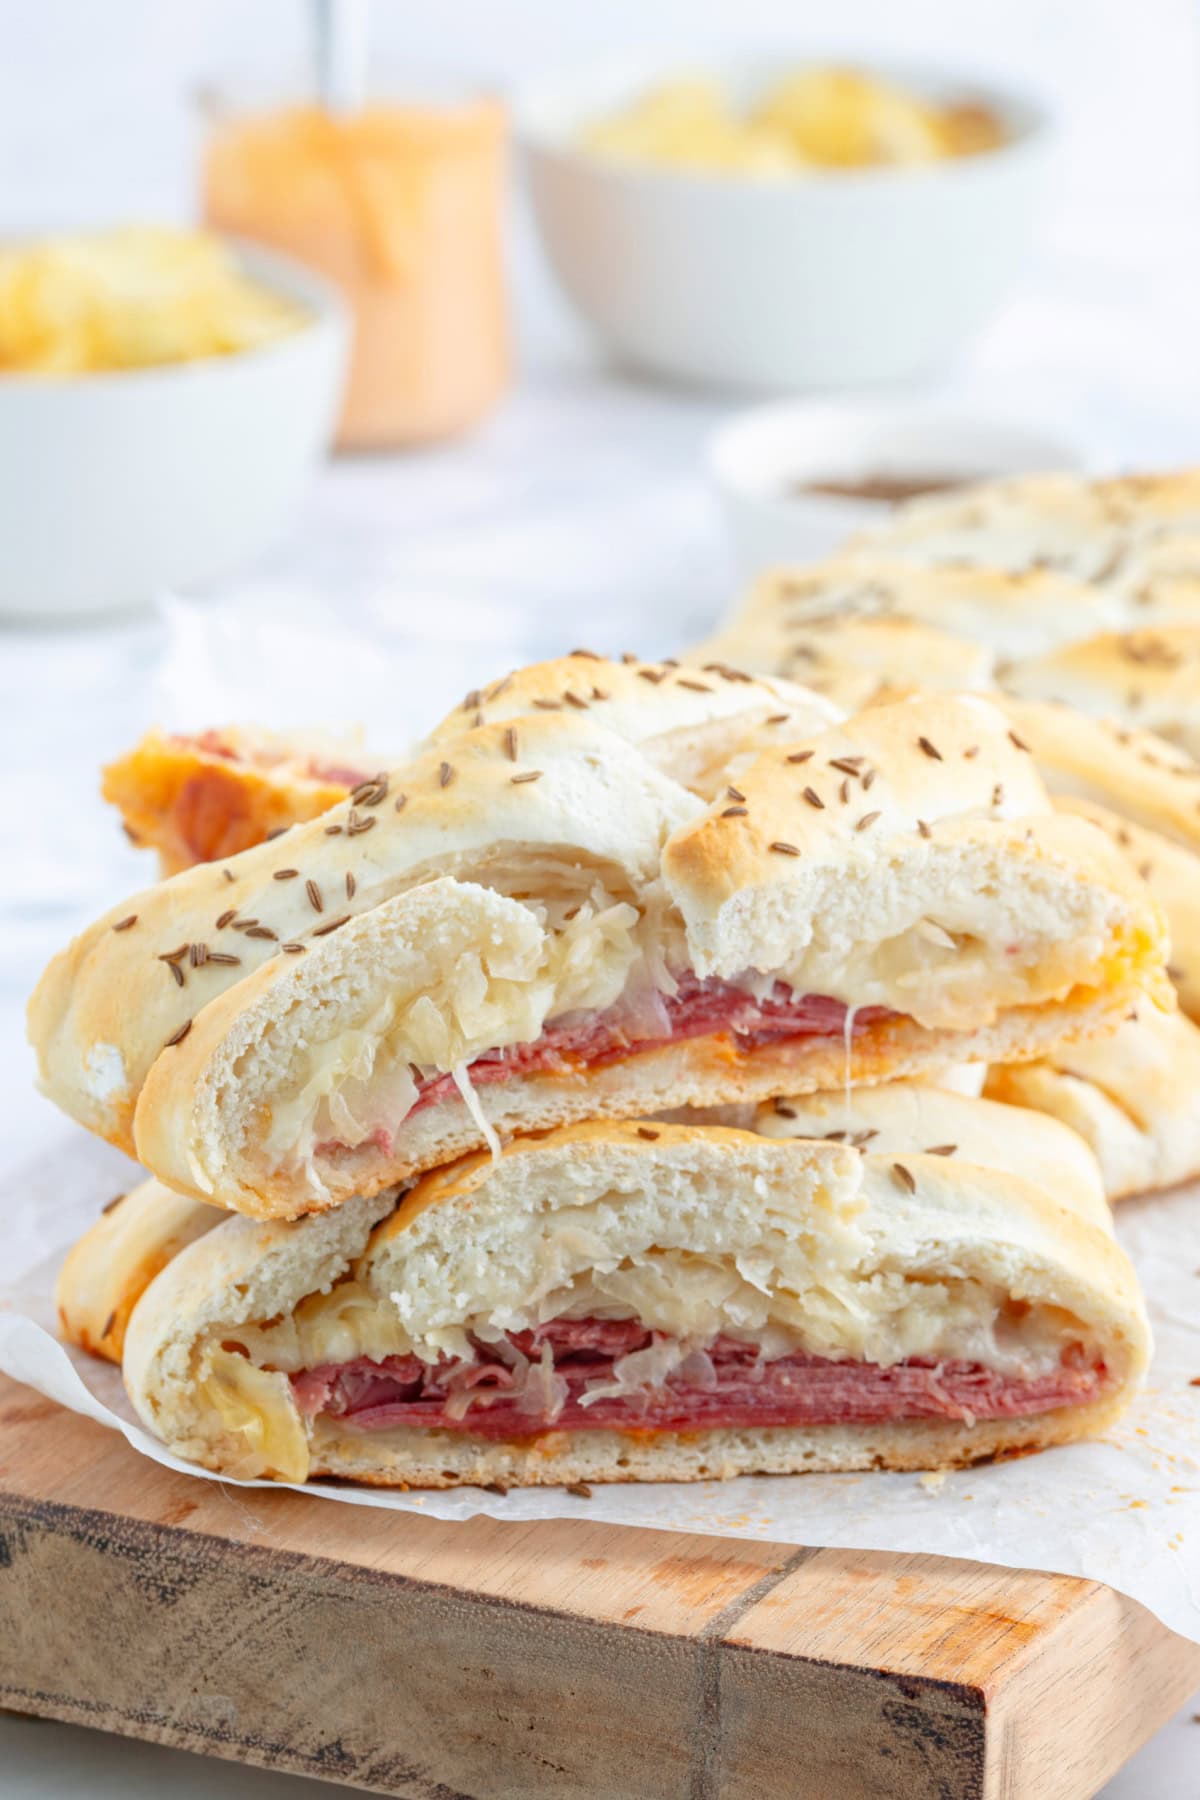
x=459 y=952
x=623 y=1301
x=1131 y=1097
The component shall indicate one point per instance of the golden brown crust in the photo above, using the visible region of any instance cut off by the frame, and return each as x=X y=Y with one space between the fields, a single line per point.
x=1099 y=531
x=1148 y=679
x=1131 y=771
x=638 y=699
x=111 y=1003
x=204 y=797
x=952 y=763
x=559 y=779
x=108 y=1270
x=1131 y=1097
x=962 y=618
x=857 y=662
x=900 y=1117
x=1173 y=876
x=1158 y=497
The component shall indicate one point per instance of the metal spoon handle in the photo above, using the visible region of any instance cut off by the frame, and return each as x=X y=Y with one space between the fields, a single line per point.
x=340 y=53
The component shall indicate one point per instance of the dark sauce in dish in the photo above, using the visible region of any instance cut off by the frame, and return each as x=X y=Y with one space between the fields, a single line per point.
x=889 y=490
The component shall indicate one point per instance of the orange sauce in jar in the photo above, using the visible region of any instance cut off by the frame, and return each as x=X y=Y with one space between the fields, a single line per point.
x=400 y=205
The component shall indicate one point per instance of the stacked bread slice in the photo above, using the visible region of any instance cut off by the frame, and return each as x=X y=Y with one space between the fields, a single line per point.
x=1078 y=602
x=423 y=1044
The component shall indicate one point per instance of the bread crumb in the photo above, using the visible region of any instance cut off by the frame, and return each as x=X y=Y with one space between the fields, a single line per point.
x=933 y=1481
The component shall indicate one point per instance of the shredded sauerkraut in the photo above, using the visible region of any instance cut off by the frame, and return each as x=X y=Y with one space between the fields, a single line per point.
x=642 y=1371
x=779 y=1300
x=360 y=1086
x=470 y=1100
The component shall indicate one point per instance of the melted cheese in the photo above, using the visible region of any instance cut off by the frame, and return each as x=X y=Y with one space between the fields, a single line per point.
x=938 y=973
x=576 y=956
x=884 y=1318
x=782 y=1299
x=364 y=1080
x=254 y=1410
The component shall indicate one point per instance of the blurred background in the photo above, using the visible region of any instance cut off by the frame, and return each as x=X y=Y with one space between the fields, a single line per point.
x=183 y=545
x=96 y=116
x=96 y=110
x=575 y=500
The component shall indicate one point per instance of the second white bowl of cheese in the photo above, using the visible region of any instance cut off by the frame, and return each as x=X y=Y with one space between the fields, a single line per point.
x=837 y=277
x=126 y=483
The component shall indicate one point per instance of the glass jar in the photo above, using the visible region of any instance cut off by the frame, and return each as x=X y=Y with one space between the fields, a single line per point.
x=400 y=203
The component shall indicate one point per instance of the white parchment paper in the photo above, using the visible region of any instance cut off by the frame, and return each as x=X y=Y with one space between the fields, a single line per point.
x=1124 y=1510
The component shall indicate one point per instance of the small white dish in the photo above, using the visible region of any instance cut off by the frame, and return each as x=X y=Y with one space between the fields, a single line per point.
x=763 y=461
x=121 y=485
x=841 y=278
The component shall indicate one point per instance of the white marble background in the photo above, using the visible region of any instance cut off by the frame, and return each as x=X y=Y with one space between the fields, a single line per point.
x=580 y=512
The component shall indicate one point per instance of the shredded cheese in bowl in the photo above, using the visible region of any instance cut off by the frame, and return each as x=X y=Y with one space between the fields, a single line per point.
x=129 y=298
x=812 y=120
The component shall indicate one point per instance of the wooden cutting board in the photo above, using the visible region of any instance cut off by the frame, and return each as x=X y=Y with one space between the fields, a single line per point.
x=488 y=1661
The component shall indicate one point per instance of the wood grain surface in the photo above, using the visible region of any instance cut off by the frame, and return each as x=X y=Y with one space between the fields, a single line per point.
x=548 y=1661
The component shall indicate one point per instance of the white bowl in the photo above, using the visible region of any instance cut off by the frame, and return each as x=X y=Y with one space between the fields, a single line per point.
x=829 y=280
x=761 y=460
x=120 y=485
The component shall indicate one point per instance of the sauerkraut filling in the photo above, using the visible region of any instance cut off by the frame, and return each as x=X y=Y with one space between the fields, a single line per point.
x=597 y=980
x=584 y=956
x=695 y=1009
x=660 y=1339
x=582 y=1374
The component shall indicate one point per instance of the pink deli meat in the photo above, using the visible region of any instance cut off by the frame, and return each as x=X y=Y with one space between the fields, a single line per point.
x=698 y=1009
x=728 y=1388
